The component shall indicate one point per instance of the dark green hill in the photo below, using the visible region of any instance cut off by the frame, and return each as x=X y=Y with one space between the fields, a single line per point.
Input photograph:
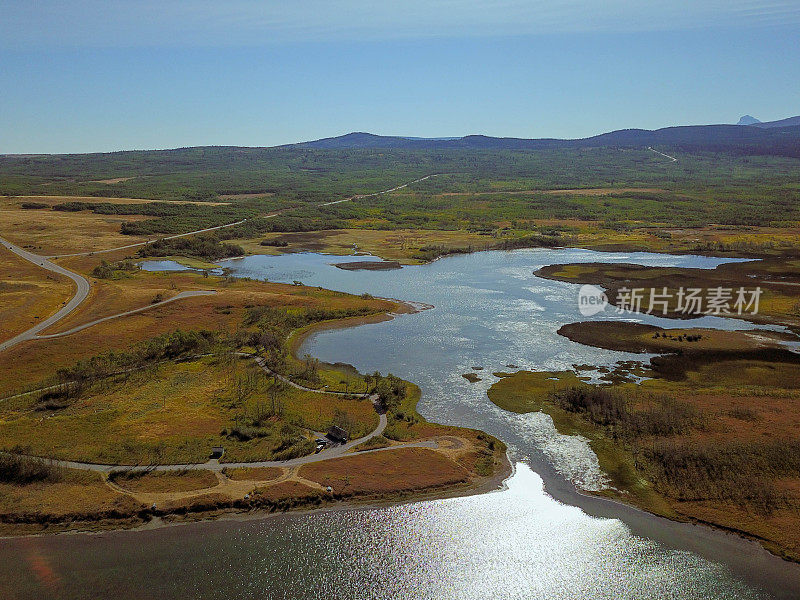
x=761 y=139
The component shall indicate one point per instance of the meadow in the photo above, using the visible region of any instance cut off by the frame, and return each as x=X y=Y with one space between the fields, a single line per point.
x=166 y=384
x=722 y=202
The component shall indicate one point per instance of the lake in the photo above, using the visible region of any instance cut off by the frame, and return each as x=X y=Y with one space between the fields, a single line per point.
x=540 y=538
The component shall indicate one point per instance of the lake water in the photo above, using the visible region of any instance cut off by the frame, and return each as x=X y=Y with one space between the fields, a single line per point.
x=541 y=538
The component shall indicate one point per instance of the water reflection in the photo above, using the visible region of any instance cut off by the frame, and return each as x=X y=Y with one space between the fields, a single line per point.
x=514 y=544
x=490 y=312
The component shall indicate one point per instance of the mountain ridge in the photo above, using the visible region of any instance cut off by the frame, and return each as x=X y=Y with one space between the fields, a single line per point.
x=713 y=135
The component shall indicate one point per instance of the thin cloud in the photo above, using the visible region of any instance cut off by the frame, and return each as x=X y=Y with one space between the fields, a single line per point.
x=115 y=23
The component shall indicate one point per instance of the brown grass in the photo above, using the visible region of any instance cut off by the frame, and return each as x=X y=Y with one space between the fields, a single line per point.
x=397 y=245
x=254 y=473
x=166 y=481
x=637 y=337
x=386 y=471
x=285 y=490
x=79 y=493
x=28 y=294
x=44 y=231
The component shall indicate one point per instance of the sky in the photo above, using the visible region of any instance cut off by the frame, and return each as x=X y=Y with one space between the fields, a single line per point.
x=94 y=76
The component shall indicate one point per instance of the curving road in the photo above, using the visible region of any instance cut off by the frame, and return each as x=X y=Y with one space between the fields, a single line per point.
x=80 y=295
x=262 y=363
x=83 y=284
x=215 y=465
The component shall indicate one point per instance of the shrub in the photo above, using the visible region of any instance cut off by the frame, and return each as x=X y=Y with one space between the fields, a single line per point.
x=22 y=470
x=738 y=472
x=205 y=247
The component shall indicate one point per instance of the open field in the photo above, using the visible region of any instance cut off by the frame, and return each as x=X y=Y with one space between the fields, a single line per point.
x=386 y=472
x=34 y=360
x=28 y=294
x=45 y=231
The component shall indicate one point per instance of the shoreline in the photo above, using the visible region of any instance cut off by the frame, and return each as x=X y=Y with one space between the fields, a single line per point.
x=486 y=485
x=738 y=550
x=404 y=307
x=298 y=338
x=185 y=516
x=742 y=553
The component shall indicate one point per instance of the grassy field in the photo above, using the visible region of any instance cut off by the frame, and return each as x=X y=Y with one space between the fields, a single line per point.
x=386 y=472
x=175 y=413
x=78 y=496
x=43 y=231
x=34 y=361
x=28 y=294
x=164 y=481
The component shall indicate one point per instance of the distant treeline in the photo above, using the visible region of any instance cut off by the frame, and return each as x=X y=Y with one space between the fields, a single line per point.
x=206 y=247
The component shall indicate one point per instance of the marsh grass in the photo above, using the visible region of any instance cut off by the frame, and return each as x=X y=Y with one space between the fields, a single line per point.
x=740 y=472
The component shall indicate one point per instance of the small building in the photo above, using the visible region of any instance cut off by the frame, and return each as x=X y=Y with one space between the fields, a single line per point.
x=217 y=452
x=337 y=435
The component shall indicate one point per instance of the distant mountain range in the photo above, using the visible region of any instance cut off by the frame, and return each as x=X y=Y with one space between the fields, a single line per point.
x=776 y=137
x=790 y=122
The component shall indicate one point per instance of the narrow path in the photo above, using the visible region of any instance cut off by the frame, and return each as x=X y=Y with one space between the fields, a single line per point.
x=81 y=294
x=261 y=363
x=394 y=189
x=215 y=465
x=169 y=237
x=672 y=158
x=83 y=284
x=180 y=296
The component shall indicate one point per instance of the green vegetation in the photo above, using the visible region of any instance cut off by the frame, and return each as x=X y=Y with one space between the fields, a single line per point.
x=106 y=270
x=525 y=197
x=205 y=247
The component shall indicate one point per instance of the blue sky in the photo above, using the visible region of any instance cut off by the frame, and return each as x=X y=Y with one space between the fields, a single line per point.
x=87 y=76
